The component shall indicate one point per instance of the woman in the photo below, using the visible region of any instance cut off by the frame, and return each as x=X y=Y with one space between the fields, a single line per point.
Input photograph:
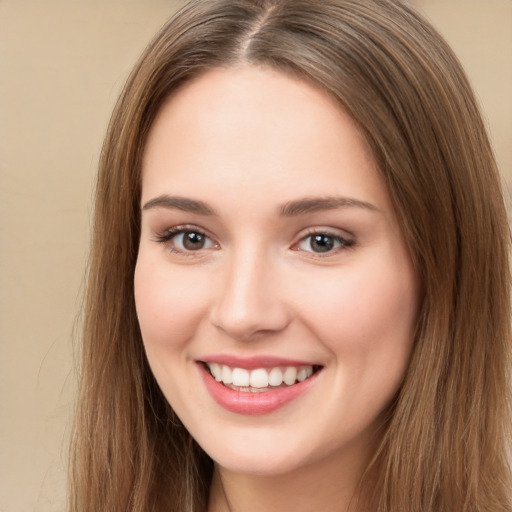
x=299 y=282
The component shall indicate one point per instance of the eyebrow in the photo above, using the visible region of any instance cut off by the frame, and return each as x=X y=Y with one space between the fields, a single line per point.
x=314 y=204
x=289 y=209
x=179 y=203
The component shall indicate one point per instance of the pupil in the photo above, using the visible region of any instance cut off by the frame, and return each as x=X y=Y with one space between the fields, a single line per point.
x=193 y=241
x=322 y=243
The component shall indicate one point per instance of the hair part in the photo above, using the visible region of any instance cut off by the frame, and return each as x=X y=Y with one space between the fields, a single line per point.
x=444 y=442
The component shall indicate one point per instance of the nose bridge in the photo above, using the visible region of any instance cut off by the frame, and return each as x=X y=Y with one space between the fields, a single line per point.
x=246 y=301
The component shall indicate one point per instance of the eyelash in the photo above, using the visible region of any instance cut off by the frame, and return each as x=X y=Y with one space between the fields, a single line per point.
x=343 y=243
x=171 y=233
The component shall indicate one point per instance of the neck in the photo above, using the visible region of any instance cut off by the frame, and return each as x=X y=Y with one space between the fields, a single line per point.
x=329 y=487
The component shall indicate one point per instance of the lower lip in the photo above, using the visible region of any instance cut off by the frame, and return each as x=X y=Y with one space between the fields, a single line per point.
x=248 y=403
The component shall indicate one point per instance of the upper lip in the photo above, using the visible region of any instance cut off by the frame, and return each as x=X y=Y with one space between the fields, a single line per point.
x=253 y=362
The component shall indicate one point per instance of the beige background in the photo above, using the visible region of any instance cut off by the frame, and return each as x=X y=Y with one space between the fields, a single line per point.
x=62 y=64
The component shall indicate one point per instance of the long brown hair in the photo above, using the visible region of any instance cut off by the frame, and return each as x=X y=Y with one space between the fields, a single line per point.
x=444 y=446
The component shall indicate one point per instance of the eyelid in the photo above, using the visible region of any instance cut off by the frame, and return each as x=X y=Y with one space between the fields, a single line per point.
x=346 y=242
x=166 y=237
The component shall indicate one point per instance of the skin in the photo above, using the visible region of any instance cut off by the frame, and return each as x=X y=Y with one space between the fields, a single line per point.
x=246 y=141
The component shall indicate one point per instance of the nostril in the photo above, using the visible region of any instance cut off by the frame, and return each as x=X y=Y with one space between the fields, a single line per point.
x=246 y=322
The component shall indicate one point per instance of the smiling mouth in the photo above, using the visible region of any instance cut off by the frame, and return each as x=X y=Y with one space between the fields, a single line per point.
x=260 y=380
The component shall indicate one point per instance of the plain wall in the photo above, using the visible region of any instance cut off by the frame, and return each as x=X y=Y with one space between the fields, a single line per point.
x=62 y=64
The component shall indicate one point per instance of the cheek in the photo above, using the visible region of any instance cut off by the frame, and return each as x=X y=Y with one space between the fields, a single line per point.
x=169 y=304
x=366 y=319
x=169 y=310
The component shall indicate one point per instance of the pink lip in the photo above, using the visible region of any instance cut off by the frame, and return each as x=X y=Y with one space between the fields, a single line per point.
x=251 y=363
x=248 y=403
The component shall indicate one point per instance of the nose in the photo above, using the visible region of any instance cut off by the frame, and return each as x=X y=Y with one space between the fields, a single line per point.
x=249 y=301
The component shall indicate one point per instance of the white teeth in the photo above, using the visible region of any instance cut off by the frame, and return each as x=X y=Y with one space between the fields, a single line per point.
x=227 y=374
x=290 y=375
x=275 y=377
x=304 y=373
x=240 y=377
x=260 y=378
x=216 y=371
x=301 y=374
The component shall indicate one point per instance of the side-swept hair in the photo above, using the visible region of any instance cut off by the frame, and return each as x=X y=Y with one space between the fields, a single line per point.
x=444 y=446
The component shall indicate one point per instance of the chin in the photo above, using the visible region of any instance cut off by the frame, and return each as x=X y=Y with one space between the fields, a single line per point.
x=256 y=465
x=256 y=455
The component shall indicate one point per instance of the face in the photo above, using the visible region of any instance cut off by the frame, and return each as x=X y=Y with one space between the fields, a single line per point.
x=275 y=295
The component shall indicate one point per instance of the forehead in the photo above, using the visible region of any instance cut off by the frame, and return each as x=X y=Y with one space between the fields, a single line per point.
x=253 y=128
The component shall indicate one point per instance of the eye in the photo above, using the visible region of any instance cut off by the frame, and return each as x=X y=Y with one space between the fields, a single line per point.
x=182 y=239
x=321 y=243
x=192 y=241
